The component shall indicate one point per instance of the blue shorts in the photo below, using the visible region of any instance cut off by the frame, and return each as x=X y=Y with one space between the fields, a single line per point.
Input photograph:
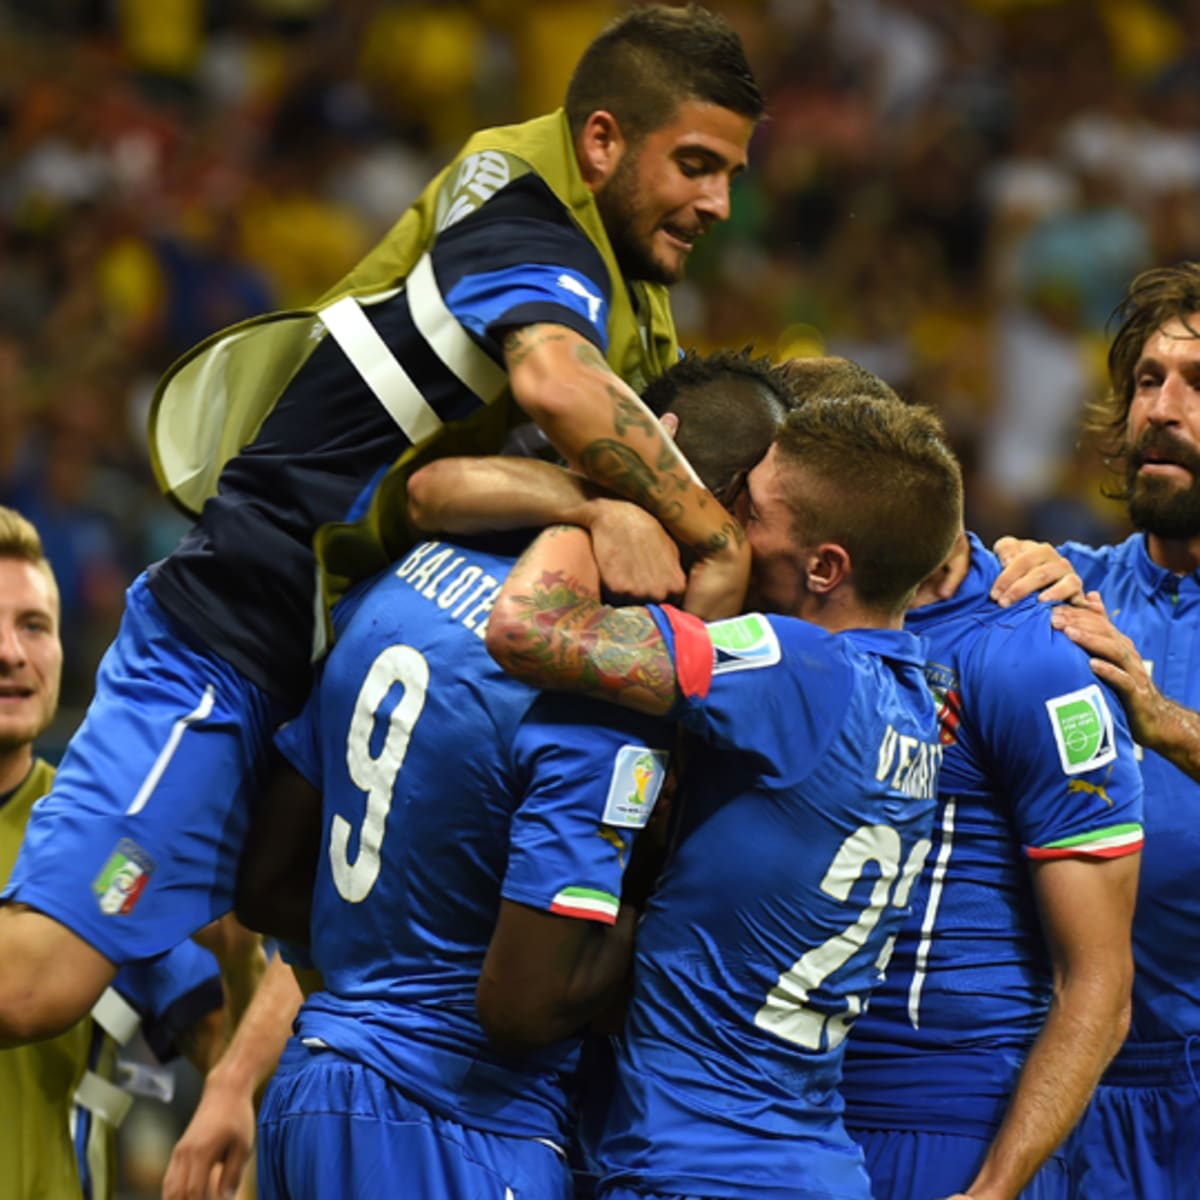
x=332 y=1127
x=1140 y=1137
x=137 y=844
x=903 y=1164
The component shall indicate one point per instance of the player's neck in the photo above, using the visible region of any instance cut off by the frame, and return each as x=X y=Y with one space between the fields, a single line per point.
x=1181 y=555
x=956 y=566
x=14 y=766
x=841 y=610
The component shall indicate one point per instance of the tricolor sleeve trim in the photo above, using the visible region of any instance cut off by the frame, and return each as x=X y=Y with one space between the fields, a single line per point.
x=693 y=652
x=1114 y=842
x=588 y=903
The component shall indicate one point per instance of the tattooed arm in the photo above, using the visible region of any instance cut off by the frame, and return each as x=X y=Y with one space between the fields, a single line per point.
x=549 y=628
x=600 y=425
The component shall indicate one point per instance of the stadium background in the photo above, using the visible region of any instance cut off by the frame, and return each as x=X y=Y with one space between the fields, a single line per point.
x=953 y=192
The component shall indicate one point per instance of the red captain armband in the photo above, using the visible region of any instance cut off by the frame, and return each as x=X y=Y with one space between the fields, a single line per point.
x=693 y=652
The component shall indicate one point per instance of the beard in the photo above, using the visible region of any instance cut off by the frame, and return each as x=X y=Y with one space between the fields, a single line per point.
x=618 y=204
x=1160 y=506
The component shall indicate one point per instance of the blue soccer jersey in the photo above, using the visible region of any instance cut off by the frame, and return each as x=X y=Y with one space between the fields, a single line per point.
x=1038 y=765
x=1141 y=1135
x=1160 y=612
x=809 y=794
x=448 y=785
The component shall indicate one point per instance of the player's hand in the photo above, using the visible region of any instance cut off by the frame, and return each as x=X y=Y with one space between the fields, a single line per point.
x=1034 y=567
x=210 y=1158
x=637 y=558
x=1115 y=659
x=716 y=585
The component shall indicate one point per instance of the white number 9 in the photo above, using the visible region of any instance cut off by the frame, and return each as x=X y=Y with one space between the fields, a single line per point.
x=376 y=775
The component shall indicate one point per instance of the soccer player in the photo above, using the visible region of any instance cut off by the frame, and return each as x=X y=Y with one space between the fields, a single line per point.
x=468 y=914
x=475 y=720
x=534 y=268
x=61 y=1102
x=807 y=799
x=1008 y=990
x=1141 y=1135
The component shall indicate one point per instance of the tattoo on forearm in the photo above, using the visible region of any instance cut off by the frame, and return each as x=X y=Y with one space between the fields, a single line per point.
x=587 y=354
x=629 y=414
x=573 y=641
x=731 y=531
x=616 y=466
x=519 y=344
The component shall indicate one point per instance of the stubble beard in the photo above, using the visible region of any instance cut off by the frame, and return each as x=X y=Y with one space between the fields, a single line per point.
x=617 y=202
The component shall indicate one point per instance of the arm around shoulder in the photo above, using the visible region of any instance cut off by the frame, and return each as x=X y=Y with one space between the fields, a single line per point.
x=549 y=629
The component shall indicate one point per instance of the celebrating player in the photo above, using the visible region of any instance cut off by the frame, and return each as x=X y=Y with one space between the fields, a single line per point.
x=534 y=268
x=60 y=1097
x=807 y=799
x=1141 y=1136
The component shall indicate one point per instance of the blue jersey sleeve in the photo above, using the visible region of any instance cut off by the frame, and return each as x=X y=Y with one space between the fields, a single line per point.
x=171 y=993
x=520 y=259
x=1060 y=744
x=782 y=680
x=587 y=788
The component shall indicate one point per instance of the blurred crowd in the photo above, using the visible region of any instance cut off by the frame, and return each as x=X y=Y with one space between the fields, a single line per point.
x=953 y=192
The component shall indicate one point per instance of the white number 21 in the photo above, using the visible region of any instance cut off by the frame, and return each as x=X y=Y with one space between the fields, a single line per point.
x=786 y=1012
x=376 y=774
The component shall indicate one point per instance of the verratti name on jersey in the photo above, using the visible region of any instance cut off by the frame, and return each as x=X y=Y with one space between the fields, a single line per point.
x=446 y=576
x=909 y=764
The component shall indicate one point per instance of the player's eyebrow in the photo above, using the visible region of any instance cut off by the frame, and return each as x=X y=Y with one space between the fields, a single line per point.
x=713 y=160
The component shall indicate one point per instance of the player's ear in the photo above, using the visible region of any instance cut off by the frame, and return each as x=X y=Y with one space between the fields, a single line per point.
x=826 y=568
x=599 y=147
x=670 y=423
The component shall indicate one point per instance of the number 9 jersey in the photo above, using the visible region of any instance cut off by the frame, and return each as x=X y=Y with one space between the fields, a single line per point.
x=449 y=785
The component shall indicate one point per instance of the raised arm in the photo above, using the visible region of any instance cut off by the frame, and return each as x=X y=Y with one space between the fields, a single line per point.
x=600 y=425
x=549 y=628
x=1086 y=907
x=1158 y=724
x=636 y=555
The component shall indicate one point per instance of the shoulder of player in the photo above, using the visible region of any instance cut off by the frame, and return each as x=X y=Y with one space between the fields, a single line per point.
x=1020 y=644
x=527 y=202
x=1094 y=563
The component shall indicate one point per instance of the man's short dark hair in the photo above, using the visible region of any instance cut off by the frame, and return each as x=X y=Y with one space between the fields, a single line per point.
x=875 y=476
x=829 y=377
x=644 y=64
x=730 y=405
